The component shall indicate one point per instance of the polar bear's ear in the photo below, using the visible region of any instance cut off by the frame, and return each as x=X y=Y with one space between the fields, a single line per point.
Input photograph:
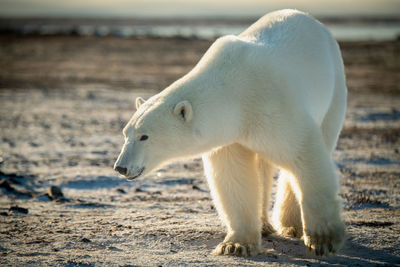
x=184 y=110
x=139 y=102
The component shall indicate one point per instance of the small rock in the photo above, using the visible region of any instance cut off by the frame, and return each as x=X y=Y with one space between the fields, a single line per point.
x=55 y=193
x=33 y=144
x=17 y=209
x=91 y=95
x=114 y=248
x=195 y=187
x=138 y=190
x=3 y=213
x=120 y=190
x=86 y=240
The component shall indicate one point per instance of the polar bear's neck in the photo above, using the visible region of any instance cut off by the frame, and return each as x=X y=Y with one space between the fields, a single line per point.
x=216 y=115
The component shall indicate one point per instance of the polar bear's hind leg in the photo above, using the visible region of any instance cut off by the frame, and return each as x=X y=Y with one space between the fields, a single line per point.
x=266 y=172
x=235 y=187
x=315 y=176
x=286 y=215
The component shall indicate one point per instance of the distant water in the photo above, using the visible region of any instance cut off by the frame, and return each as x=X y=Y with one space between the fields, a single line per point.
x=344 y=30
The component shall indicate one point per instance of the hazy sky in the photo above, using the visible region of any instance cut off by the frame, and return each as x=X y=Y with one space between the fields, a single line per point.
x=179 y=8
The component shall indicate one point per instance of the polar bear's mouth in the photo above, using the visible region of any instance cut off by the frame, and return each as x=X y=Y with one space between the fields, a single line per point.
x=141 y=170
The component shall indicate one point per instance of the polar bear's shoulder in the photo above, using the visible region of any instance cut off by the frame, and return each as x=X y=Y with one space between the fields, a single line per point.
x=226 y=50
x=230 y=44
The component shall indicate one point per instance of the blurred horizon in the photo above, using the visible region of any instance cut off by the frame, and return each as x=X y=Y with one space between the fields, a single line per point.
x=192 y=9
x=203 y=19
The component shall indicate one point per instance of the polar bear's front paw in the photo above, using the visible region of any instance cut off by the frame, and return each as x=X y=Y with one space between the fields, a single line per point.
x=236 y=249
x=328 y=239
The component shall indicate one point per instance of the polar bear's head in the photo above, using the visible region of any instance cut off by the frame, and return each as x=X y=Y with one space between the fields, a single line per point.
x=201 y=111
x=157 y=132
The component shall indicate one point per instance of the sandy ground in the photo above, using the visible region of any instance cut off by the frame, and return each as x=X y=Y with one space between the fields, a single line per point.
x=63 y=103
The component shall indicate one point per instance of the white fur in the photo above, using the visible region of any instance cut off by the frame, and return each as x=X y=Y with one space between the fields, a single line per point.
x=273 y=96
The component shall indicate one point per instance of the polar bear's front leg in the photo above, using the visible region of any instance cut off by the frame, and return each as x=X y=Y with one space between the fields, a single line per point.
x=235 y=187
x=317 y=189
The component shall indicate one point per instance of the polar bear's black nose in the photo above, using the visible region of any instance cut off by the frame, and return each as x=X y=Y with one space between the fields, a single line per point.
x=121 y=170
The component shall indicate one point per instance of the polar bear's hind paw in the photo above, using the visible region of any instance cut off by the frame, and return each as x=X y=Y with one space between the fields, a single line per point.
x=291 y=231
x=267 y=229
x=236 y=249
x=325 y=243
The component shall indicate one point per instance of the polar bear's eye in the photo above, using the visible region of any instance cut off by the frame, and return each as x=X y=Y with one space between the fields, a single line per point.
x=143 y=137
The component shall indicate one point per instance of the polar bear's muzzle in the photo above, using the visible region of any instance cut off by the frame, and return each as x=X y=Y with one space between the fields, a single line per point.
x=138 y=173
x=127 y=173
x=121 y=170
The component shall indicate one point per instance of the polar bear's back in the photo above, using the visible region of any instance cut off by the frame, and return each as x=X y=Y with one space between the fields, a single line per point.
x=302 y=48
x=280 y=27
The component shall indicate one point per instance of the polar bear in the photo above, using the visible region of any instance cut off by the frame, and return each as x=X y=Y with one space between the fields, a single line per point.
x=273 y=96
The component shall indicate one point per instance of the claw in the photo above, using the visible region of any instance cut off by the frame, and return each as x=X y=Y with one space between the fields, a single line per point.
x=237 y=249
